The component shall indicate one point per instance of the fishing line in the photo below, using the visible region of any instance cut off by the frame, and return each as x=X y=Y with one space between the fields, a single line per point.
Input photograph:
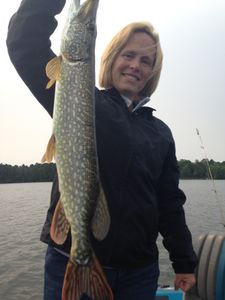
x=212 y=179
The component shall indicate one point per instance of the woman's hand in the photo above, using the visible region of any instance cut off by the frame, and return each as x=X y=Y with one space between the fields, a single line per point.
x=184 y=281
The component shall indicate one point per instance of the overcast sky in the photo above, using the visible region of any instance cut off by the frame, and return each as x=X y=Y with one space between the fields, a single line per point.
x=190 y=95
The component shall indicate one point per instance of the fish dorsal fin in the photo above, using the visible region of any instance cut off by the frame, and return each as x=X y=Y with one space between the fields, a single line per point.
x=50 y=150
x=53 y=69
x=60 y=225
x=101 y=219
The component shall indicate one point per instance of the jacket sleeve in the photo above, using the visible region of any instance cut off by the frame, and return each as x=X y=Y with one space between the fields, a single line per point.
x=172 y=225
x=29 y=46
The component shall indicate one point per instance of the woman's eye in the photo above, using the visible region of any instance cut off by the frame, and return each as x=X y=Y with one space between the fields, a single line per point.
x=147 y=62
x=127 y=55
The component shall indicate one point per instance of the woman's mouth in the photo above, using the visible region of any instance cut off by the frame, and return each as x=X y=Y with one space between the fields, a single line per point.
x=131 y=77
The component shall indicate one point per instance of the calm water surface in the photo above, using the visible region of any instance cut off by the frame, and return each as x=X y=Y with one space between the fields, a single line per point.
x=22 y=213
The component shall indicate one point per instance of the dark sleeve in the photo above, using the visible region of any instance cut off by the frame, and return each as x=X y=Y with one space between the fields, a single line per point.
x=29 y=45
x=172 y=225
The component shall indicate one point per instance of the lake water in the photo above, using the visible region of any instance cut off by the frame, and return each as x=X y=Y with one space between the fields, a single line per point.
x=22 y=213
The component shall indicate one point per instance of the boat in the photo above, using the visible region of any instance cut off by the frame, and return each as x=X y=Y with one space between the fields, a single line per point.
x=210 y=273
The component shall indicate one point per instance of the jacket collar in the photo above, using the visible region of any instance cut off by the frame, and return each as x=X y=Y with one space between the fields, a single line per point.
x=116 y=96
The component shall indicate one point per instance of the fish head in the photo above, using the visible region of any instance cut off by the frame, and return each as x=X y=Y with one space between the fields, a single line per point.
x=79 y=34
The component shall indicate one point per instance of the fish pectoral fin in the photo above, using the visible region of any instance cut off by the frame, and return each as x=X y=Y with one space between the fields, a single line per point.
x=53 y=69
x=50 y=150
x=101 y=219
x=86 y=279
x=60 y=225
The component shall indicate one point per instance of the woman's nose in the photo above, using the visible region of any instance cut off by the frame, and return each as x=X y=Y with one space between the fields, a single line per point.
x=135 y=64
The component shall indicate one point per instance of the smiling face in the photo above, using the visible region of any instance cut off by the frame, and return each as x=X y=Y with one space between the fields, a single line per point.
x=133 y=66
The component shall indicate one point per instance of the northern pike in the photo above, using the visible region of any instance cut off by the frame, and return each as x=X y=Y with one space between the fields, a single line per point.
x=82 y=206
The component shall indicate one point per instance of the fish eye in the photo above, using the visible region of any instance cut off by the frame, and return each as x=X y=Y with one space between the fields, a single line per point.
x=91 y=27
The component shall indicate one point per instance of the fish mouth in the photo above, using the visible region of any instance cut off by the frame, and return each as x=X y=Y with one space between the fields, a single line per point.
x=87 y=10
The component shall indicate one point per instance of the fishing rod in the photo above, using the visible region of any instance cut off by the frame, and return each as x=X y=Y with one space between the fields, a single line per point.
x=211 y=178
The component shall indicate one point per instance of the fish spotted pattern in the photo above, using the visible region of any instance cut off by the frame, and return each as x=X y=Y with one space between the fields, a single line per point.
x=73 y=145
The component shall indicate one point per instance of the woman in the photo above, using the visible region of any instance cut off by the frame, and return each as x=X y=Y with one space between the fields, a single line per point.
x=136 y=152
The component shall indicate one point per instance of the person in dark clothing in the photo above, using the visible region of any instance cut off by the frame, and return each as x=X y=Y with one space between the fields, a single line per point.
x=136 y=153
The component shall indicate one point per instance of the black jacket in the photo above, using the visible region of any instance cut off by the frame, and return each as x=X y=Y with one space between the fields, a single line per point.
x=136 y=152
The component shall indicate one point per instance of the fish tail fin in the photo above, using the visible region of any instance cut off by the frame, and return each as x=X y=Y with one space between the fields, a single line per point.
x=60 y=225
x=85 y=279
x=50 y=151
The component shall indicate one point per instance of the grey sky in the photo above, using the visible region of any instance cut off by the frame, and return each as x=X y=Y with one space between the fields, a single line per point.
x=191 y=92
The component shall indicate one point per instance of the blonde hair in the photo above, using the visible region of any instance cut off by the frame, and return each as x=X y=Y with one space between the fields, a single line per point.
x=118 y=43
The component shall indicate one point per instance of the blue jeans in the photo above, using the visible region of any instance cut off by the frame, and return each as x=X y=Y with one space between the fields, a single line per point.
x=136 y=284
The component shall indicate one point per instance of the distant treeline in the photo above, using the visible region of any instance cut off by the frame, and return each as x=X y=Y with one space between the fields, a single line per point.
x=32 y=173
x=201 y=169
x=46 y=172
